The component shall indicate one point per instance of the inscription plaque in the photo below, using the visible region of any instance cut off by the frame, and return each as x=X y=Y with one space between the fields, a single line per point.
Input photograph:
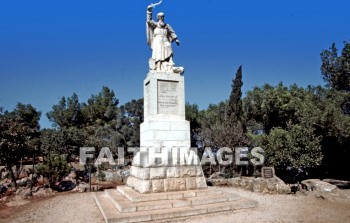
x=267 y=172
x=168 y=97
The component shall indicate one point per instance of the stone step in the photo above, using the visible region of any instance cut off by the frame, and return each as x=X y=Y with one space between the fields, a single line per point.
x=125 y=205
x=134 y=196
x=111 y=214
x=212 y=199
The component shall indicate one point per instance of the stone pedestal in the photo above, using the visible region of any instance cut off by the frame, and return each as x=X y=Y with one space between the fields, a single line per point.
x=164 y=136
x=126 y=205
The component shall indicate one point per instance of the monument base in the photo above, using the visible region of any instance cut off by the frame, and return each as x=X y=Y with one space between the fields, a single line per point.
x=166 y=179
x=126 y=205
x=165 y=129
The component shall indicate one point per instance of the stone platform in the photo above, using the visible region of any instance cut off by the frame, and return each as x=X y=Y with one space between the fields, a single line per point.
x=127 y=205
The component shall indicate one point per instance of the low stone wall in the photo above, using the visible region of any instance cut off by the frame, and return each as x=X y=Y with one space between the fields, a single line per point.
x=273 y=185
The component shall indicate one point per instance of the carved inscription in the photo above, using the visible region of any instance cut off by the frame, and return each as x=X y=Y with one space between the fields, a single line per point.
x=168 y=97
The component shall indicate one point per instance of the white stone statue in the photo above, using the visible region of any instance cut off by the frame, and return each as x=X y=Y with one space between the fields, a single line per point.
x=159 y=37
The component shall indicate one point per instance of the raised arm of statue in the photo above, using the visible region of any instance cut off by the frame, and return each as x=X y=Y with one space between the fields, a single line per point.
x=150 y=26
x=149 y=20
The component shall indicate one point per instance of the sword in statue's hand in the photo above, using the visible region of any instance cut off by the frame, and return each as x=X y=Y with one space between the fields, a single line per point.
x=155 y=4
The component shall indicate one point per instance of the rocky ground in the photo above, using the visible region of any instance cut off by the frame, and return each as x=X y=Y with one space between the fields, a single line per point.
x=80 y=207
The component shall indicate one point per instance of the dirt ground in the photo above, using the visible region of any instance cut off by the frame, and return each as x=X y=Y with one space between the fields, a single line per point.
x=63 y=208
x=81 y=207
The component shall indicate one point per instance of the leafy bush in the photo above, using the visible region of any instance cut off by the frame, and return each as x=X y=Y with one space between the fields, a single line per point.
x=295 y=147
x=55 y=167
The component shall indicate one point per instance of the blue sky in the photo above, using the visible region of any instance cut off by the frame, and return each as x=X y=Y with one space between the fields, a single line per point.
x=50 y=49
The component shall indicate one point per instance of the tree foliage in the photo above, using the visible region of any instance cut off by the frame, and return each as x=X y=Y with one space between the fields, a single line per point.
x=98 y=123
x=234 y=107
x=318 y=110
x=336 y=68
x=293 y=147
x=222 y=125
x=101 y=108
x=67 y=113
x=55 y=167
x=132 y=117
x=18 y=135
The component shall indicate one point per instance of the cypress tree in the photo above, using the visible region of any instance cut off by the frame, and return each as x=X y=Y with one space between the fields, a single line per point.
x=234 y=109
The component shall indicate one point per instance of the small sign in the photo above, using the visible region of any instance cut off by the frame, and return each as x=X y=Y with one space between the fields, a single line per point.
x=267 y=172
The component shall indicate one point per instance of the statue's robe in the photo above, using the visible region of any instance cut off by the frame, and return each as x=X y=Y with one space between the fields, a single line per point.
x=159 y=38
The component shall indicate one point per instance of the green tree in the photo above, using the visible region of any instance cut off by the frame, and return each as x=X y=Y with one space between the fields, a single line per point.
x=234 y=108
x=28 y=115
x=273 y=106
x=131 y=119
x=101 y=108
x=67 y=113
x=78 y=124
x=222 y=135
x=214 y=115
x=336 y=68
x=293 y=147
x=51 y=142
x=317 y=109
x=217 y=130
x=193 y=116
x=18 y=133
x=223 y=124
x=55 y=167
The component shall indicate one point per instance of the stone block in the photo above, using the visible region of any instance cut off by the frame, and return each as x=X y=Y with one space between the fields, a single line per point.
x=137 y=160
x=201 y=183
x=155 y=125
x=181 y=203
x=140 y=173
x=151 y=143
x=191 y=183
x=154 y=205
x=176 y=143
x=142 y=186
x=187 y=157
x=131 y=181
x=181 y=183
x=207 y=200
x=180 y=125
x=171 y=135
x=172 y=172
x=189 y=194
x=141 y=159
x=157 y=173
x=174 y=184
x=175 y=196
x=188 y=171
x=218 y=208
x=199 y=171
x=157 y=186
x=148 y=135
x=159 y=157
